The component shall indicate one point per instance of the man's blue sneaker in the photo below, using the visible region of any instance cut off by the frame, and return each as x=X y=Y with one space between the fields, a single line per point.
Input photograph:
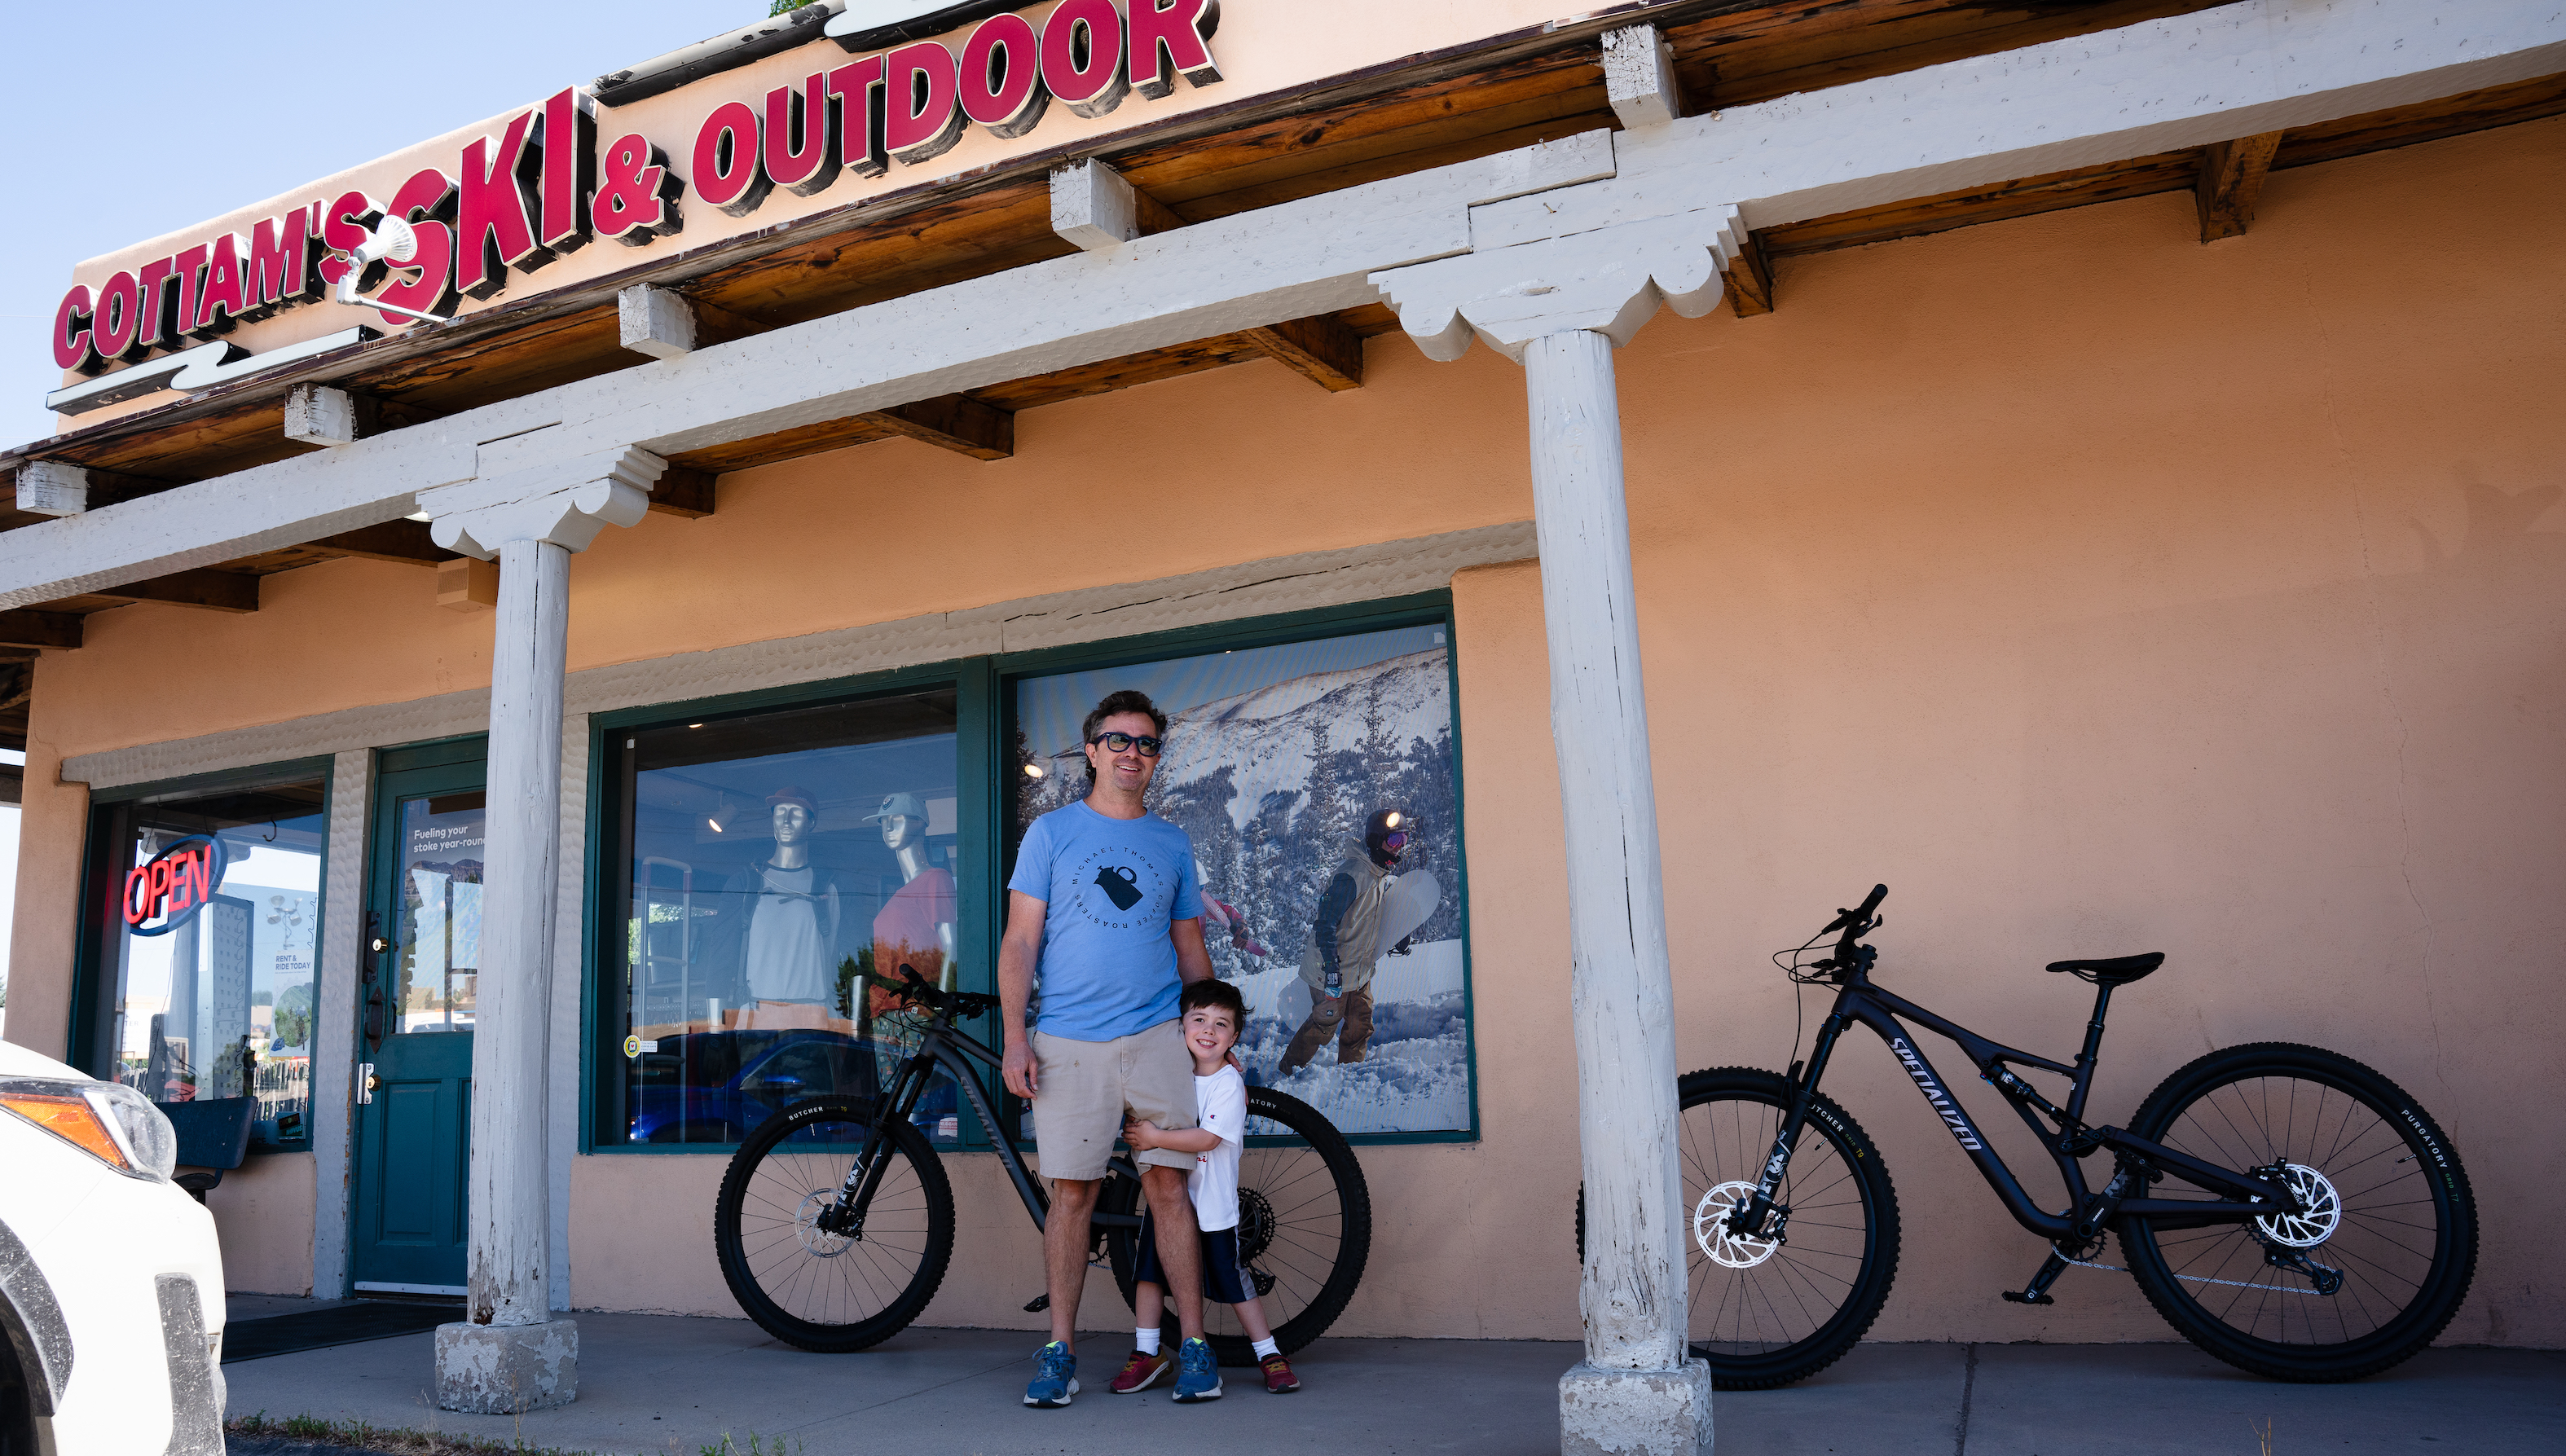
x=1198 y=1373
x=1056 y=1375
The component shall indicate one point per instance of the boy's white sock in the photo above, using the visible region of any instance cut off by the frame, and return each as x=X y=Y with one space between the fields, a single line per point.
x=1267 y=1346
x=1147 y=1340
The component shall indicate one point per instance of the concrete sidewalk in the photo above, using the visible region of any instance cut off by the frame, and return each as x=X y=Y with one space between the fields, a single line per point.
x=660 y=1385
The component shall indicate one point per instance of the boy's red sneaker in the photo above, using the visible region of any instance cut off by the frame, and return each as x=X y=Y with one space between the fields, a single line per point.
x=1279 y=1380
x=1142 y=1372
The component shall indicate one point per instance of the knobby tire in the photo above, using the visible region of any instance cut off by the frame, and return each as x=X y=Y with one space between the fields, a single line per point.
x=818 y=1291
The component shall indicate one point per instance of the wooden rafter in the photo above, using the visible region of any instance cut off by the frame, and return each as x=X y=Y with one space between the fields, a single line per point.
x=1749 y=282
x=1322 y=349
x=406 y=542
x=205 y=586
x=30 y=628
x=2231 y=182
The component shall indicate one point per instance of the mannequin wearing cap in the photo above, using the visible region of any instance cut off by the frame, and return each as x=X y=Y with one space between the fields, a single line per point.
x=916 y=926
x=1345 y=944
x=789 y=960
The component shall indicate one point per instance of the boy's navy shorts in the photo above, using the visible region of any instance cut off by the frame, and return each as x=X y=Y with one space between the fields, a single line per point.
x=1224 y=1278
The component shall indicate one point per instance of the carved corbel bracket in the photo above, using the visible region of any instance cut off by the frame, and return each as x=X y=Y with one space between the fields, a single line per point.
x=1610 y=280
x=565 y=503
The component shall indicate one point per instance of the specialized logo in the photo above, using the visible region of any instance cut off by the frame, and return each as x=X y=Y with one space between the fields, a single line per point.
x=1941 y=1100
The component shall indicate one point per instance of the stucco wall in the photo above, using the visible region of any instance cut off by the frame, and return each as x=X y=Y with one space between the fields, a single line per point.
x=263 y=1214
x=2098 y=591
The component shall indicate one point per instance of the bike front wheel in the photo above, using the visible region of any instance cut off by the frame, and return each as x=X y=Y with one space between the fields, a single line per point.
x=2385 y=1203
x=1766 y=1312
x=807 y=1286
x=1304 y=1227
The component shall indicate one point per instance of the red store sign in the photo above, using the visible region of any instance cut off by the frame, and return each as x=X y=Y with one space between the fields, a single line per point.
x=543 y=187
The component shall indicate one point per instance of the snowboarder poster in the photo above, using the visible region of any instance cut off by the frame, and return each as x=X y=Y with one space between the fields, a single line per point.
x=1317 y=780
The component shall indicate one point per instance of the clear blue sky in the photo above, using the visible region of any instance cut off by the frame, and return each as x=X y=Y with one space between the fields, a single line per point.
x=130 y=119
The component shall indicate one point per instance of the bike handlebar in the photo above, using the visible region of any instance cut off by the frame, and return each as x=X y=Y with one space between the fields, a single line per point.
x=1853 y=922
x=924 y=992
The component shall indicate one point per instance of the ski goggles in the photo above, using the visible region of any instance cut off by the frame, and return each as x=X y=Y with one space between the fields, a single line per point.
x=1394 y=840
x=1125 y=742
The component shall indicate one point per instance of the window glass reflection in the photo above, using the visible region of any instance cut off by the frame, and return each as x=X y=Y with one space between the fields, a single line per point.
x=439 y=937
x=780 y=870
x=215 y=949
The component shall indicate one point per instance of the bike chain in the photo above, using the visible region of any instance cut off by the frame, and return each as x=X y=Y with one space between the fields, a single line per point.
x=2281 y=1289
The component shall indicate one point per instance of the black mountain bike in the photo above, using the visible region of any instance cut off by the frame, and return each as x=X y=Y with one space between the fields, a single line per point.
x=2323 y=1229
x=835 y=1220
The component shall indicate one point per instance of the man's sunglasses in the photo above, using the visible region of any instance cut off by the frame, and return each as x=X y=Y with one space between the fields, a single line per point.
x=1120 y=742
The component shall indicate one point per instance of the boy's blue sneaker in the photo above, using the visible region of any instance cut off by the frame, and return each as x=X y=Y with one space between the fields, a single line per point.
x=1198 y=1373
x=1056 y=1375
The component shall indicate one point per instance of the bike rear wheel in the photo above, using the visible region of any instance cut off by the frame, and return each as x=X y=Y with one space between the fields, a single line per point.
x=2388 y=1205
x=1304 y=1227
x=1768 y=1312
x=818 y=1290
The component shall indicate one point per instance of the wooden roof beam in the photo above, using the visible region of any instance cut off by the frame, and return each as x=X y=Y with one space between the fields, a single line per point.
x=665 y=323
x=405 y=541
x=212 y=588
x=30 y=628
x=1322 y=349
x=955 y=423
x=2231 y=182
x=1749 y=281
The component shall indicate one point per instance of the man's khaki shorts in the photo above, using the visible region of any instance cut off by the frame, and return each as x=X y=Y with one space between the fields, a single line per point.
x=1082 y=1088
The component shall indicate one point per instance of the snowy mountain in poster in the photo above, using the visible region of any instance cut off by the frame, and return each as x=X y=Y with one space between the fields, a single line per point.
x=1274 y=783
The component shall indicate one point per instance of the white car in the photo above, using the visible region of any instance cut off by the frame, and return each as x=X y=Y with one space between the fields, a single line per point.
x=110 y=1280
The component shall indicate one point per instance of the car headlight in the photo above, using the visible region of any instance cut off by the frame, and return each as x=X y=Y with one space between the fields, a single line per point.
x=111 y=1122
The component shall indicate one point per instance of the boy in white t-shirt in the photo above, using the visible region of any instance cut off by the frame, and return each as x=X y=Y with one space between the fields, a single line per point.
x=1214 y=1012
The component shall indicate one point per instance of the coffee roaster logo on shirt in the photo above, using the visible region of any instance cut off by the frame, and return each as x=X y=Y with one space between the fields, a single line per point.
x=1121 y=886
x=1113 y=888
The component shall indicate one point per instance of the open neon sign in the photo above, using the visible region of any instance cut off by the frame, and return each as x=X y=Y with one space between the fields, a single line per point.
x=173 y=885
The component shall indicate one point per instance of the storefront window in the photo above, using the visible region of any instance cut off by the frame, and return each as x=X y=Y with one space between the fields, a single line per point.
x=1278 y=761
x=209 y=962
x=777 y=872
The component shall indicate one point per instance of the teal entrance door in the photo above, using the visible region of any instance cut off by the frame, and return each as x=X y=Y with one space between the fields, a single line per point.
x=423 y=941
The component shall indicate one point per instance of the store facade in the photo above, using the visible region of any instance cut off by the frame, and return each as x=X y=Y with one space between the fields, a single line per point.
x=2099 y=588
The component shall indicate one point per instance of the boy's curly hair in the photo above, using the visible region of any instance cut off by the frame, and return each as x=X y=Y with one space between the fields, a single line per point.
x=1214 y=991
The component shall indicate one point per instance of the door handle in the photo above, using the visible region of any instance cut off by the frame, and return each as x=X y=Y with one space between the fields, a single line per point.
x=368 y=1084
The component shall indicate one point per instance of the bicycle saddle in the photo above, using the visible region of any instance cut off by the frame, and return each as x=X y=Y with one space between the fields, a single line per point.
x=2116 y=970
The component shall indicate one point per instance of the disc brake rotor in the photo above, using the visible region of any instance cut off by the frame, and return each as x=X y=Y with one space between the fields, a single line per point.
x=2320 y=1210
x=817 y=1241
x=1724 y=1247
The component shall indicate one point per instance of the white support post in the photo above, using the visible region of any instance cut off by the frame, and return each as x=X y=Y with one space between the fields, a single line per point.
x=511 y=1282
x=1557 y=306
x=512 y=1355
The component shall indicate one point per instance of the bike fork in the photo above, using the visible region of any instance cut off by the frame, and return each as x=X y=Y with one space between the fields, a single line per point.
x=1750 y=1218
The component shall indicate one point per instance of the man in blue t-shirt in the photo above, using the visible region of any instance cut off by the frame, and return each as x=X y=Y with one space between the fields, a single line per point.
x=1104 y=902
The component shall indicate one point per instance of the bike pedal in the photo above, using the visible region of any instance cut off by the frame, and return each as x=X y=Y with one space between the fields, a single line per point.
x=2015 y=1296
x=1041 y=1302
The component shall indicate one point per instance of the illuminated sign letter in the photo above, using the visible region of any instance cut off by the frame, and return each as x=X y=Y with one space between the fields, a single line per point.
x=1171 y=37
x=425 y=201
x=728 y=172
x=494 y=227
x=570 y=168
x=220 y=299
x=72 y=346
x=637 y=200
x=858 y=90
x=1002 y=89
x=922 y=114
x=801 y=151
x=1082 y=56
x=115 y=327
x=190 y=267
x=280 y=272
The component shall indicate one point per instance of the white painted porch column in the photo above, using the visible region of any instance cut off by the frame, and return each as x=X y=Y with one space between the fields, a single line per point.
x=1559 y=306
x=510 y=1355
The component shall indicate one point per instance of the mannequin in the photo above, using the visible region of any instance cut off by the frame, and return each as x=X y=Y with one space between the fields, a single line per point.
x=789 y=957
x=916 y=926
